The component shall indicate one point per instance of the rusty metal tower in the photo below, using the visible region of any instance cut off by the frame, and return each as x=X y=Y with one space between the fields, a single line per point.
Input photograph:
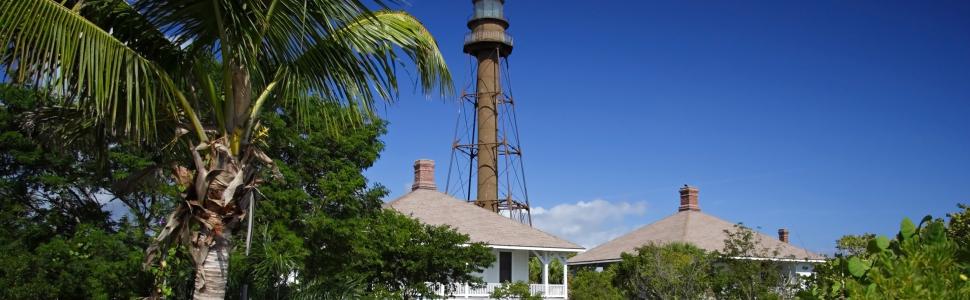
x=486 y=148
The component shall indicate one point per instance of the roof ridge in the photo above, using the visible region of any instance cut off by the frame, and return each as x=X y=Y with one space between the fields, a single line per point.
x=701 y=229
x=642 y=227
x=399 y=198
x=514 y=222
x=439 y=208
x=762 y=237
x=687 y=217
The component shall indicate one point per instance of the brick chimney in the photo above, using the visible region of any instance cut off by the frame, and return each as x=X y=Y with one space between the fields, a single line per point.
x=783 y=235
x=424 y=175
x=688 y=199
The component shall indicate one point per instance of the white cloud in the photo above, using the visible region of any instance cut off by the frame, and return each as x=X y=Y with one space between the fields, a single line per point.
x=588 y=223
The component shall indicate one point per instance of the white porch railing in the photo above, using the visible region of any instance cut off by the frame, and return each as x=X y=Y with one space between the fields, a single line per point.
x=555 y=290
x=483 y=291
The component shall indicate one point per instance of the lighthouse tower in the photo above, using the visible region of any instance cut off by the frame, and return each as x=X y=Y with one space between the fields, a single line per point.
x=487 y=144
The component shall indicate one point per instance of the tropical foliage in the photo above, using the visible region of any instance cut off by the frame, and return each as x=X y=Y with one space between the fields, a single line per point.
x=58 y=238
x=739 y=274
x=849 y=245
x=921 y=262
x=196 y=77
x=325 y=223
x=958 y=230
x=60 y=244
x=518 y=290
x=672 y=271
x=535 y=271
x=589 y=284
x=683 y=271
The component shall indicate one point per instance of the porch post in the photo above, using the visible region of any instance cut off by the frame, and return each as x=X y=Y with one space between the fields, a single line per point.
x=545 y=277
x=565 y=280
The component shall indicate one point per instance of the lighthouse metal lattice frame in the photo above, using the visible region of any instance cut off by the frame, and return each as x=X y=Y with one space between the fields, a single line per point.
x=486 y=152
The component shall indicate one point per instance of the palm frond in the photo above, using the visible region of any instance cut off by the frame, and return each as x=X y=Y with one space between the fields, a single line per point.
x=83 y=64
x=126 y=24
x=357 y=64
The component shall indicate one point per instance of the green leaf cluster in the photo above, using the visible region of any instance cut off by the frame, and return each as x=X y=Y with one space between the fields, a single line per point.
x=588 y=284
x=921 y=262
x=514 y=290
x=739 y=274
x=958 y=231
x=58 y=240
x=671 y=271
x=69 y=231
x=142 y=75
x=535 y=271
x=684 y=271
x=322 y=224
x=849 y=244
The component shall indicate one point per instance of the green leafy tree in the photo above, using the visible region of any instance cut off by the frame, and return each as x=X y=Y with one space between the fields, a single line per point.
x=514 y=290
x=322 y=201
x=535 y=271
x=58 y=239
x=671 y=271
x=849 y=245
x=324 y=226
x=91 y=263
x=742 y=272
x=142 y=72
x=591 y=285
x=958 y=230
x=921 y=262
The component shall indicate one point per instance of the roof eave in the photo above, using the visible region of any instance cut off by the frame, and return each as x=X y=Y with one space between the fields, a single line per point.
x=536 y=248
x=590 y=262
x=811 y=260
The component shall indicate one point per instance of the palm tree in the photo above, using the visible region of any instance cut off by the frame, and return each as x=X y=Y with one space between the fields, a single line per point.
x=197 y=73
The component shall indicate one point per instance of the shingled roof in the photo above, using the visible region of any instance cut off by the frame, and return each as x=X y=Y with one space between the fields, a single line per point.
x=689 y=225
x=432 y=207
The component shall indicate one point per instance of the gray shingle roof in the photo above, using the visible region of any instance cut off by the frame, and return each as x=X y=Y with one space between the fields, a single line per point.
x=437 y=208
x=694 y=227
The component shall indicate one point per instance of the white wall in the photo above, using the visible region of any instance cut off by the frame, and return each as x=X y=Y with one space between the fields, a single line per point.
x=801 y=268
x=520 y=266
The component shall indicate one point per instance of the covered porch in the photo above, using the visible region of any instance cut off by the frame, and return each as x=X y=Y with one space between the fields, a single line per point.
x=465 y=291
x=512 y=265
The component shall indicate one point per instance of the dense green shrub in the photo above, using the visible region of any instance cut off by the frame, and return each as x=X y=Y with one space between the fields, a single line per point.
x=72 y=226
x=516 y=290
x=591 y=285
x=671 y=271
x=735 y=277
x=921 y=262
x=683 y=271
x=535 y=271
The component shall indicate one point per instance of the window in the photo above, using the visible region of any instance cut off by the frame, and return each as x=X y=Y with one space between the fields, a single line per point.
x=505 y=267
x=488 y=9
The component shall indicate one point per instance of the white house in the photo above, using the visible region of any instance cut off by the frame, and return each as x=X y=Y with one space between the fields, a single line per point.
x=512 y=242
x=690 y=225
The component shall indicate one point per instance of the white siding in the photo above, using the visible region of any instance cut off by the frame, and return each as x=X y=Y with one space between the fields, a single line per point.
x=520 y=266
x=803 y=268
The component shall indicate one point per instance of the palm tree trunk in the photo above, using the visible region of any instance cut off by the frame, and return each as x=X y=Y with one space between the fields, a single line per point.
x=215 y=199
x=211 y=277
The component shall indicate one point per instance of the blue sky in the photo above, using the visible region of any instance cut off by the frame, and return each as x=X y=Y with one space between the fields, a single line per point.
x=824 y=117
